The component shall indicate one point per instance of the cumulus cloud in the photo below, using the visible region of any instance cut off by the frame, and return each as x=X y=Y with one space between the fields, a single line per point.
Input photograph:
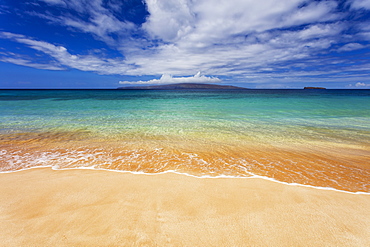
x=359 y=85
x=169 y=79
x=235 y=36
x=203 y=23
x=169 y=19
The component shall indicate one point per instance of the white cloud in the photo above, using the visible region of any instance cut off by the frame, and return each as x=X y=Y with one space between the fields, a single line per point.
x=313 y=12
x=4 y=9
x=63 y=59
x=320 y=31
x=233 y=36
x=358 y=85
x=58 y=2
x=358 y=4
x=29 y=63
x=169 y=19
x=101 y=21
x=257 y=51
x=255 y=40
x=361 y=84
x=168 y=79
x=7 y=35
x=351 y=47
x=202 y=23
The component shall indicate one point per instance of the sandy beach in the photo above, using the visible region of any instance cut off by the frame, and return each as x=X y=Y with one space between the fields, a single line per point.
x=44 y=207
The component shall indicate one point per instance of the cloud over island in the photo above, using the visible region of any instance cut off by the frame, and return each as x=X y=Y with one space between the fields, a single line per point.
x=169 y=79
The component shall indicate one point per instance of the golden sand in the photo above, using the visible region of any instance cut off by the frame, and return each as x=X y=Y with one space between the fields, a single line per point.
x=43 y=207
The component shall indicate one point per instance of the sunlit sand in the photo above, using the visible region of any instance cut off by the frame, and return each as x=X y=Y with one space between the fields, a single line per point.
x=42 y=207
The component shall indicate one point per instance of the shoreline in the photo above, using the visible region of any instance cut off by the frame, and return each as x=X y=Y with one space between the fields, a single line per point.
x=252 y=176
x=44 y=207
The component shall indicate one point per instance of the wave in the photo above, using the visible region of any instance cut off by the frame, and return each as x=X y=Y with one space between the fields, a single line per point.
x=297 y=170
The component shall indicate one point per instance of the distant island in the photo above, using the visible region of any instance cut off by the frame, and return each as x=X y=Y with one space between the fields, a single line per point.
x=314 y=88
x=182 y=86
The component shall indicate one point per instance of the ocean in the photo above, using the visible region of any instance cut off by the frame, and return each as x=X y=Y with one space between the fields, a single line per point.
x=319 y=138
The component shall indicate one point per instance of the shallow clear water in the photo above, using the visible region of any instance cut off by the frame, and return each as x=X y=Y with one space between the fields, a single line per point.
x=316 y=137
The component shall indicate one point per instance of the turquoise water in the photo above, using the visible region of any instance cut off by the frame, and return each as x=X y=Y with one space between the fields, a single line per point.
x=240 y=113
x=199 y=123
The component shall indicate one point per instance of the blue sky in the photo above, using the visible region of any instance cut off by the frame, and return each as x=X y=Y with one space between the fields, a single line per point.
x=250 y=43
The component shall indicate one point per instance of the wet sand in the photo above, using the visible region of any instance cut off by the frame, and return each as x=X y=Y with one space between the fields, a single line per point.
x=320 y=164
x=43 y=207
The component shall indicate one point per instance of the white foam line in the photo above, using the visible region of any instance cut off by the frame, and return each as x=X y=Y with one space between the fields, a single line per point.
x=194 y=176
